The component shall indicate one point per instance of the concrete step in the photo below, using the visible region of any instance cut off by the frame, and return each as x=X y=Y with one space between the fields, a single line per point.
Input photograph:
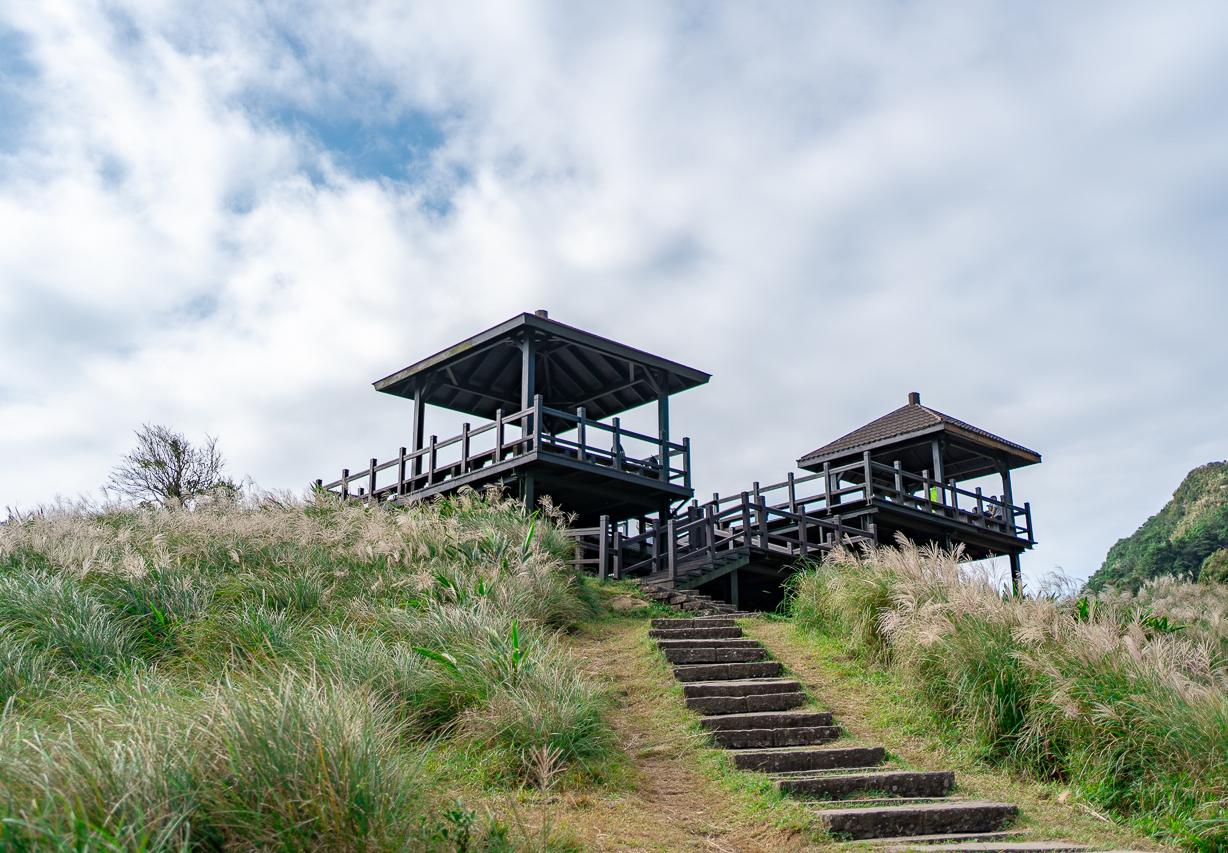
x=728 y=671
x=767 y=720
x=1004 y=835
x=769 y=738
x=735 y=643
x=741 y=688
x=716 y=705
x=713 y=654
x=785 y=760
x=695 y=633
x=918 y=819
x=901 y=783
x=695 y=622
x=996 y=847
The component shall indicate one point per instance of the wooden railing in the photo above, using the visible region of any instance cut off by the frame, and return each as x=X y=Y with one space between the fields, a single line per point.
x=822 y=492
x=509 y=436
x=611 y=551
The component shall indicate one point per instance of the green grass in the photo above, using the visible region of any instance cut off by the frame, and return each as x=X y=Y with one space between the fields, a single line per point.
x=287 y=677
x=1114 y=701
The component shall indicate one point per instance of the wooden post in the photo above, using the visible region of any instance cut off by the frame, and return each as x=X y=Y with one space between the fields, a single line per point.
x=498 y=435
x=746 y=528
x=827 y=498
x=980 y=505
x=716 y=500
x=371 y=478
x=419 y=427
x=654 y=545
x=465 y=448
x=1016 y=575
x=537 y=421
x=618 y=554
x=582 y=433
x=802 y=533
x=1027 y=517
x=603 y=552
x=710 y=531
x=954 y=497
x=733 y=588
x=528 y=486
x=936 y=452
x=671 y=550
x=899 y=481
x=925 y=489
x=686 y=462
x=754 y=490
x=869 y=475
x=345 y=483
x=616 y=446
x=761 y=508
x=528 y=370
x=663 y=432
x=432 y=461
x=401 y=472
x=1008 y=499
x=792 y=493
x=319 y=484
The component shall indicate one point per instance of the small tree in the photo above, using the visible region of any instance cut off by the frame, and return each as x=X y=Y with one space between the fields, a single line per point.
x=166 y=468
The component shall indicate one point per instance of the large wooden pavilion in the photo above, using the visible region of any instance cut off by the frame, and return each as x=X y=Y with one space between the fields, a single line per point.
x=548 y=397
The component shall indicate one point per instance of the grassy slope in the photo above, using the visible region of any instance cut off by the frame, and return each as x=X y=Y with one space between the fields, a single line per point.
x=285 y=677
x=1118 y=703
x=877 y=708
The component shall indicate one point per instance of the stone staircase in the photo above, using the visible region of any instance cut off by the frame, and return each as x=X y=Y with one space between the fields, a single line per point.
x=689 y=600
x=748 y=706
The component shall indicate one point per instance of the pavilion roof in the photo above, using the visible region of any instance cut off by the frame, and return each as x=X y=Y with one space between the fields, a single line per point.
x=482 y=374
x=905 y=426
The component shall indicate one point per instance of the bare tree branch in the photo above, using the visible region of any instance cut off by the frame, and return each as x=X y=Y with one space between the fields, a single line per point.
x=166 y=468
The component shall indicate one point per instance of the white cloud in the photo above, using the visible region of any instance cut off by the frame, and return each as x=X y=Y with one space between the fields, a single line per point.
x=1017 y=210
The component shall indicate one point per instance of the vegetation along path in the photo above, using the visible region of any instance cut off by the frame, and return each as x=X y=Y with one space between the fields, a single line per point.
x=855 y=791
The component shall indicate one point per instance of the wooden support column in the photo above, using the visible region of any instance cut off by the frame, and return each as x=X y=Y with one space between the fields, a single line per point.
x=603 y=547
x=418 y=438
x=1008 y=499
x=663 y=431
x=1016 y=575
x=936 y=451
x=528 y=381
x=733 y=588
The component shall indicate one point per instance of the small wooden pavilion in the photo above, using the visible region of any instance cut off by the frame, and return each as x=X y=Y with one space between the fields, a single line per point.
x=547 y=399
x=906 y=470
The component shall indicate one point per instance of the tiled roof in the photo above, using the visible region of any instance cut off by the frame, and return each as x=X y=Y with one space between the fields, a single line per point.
x=907 y=420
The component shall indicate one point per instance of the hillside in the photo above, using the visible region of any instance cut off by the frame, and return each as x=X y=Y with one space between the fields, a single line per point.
x=281 y=676
x=1185 y=538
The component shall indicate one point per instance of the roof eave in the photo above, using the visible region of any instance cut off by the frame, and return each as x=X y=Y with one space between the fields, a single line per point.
x=395 y=383
x=1019 y=454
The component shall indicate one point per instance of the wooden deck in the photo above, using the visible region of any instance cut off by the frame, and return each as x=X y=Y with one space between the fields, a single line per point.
x=565 y=447
x=770 y=528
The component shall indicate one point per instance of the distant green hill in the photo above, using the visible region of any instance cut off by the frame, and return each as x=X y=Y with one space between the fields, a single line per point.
x=1189 y=536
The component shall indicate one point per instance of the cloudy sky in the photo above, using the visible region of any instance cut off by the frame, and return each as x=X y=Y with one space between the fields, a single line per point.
x=233 y=222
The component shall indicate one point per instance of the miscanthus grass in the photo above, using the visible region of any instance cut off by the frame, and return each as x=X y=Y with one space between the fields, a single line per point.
x=1122 y=697
x=282 y=675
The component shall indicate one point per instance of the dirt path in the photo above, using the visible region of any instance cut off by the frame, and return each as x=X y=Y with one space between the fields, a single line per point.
x=678 y=795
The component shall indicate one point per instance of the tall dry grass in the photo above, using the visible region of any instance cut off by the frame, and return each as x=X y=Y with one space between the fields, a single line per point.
x=271 y=675
x=1123 y=697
